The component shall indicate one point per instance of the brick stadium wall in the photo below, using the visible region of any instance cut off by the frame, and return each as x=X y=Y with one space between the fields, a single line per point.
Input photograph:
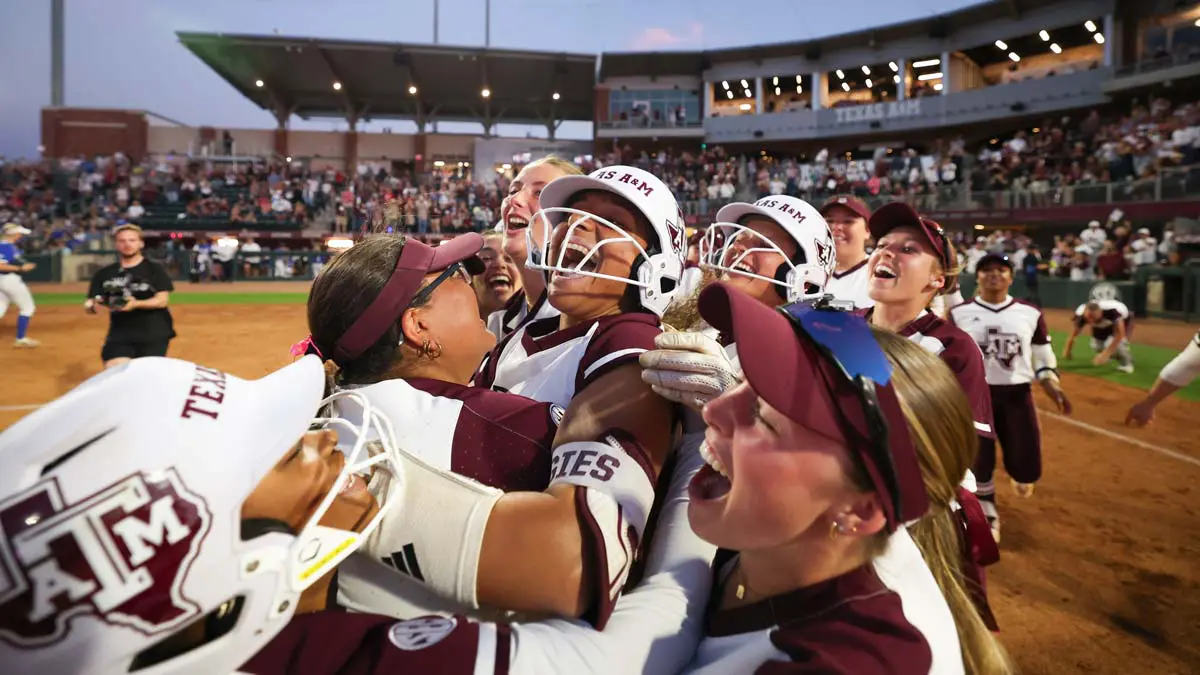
x=71 y=131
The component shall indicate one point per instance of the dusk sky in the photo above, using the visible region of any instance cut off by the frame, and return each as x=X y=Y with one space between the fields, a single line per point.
x=124 y=53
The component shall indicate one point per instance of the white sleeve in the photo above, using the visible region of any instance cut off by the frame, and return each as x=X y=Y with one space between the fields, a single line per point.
x=1045 y=362
x=654 y=628
x=1183 y=368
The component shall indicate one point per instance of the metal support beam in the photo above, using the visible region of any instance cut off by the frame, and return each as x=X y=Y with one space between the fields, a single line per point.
x=487 y=23
x=57 y=47
x=435 y=21
x=348 y=99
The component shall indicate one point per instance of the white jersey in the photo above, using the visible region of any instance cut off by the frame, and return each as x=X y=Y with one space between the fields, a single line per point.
x=516 y=312
x=852 y=285
x=542 y=362
x=1012 y=336
x=497 y=439
x=941 y=304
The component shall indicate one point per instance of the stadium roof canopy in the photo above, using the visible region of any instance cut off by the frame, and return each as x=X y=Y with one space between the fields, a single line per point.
x=632 y=64
x=297 y=76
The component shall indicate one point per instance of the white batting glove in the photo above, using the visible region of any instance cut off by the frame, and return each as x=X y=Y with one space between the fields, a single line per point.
x=688 y=368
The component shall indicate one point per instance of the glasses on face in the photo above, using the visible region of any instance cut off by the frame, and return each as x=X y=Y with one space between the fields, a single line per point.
x=846 y=342
x=457 y=269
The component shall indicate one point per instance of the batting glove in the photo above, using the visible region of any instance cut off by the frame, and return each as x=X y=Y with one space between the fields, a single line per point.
x=688 y=368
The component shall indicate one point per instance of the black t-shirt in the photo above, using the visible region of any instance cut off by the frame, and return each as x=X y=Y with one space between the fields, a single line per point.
x=114 y=284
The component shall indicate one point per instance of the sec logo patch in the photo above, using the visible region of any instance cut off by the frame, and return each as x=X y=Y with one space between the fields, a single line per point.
x=417 y=634
x=556 y=414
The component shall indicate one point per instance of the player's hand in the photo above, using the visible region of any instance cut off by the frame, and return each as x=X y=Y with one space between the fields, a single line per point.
x=688 y=368
x=28 y=266
x=1066 y=355
x=129 y=306
x=1100 y=359
x=1141 y=414
x=1062 y=402
x=89 y=305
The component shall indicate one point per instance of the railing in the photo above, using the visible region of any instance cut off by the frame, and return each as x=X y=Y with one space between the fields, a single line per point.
x=1155 y=64
x=647 y=123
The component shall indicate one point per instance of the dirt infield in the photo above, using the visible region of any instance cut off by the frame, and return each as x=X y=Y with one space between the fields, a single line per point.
x=1099 y=570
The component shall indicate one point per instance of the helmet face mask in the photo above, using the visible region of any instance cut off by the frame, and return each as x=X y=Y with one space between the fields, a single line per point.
x=656 y=270
x=802 y=277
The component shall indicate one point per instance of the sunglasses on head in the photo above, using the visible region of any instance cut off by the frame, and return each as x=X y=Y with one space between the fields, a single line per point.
x=846 y=342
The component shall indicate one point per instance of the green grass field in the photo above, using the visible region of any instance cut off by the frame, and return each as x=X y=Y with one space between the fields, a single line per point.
x=1148 y=360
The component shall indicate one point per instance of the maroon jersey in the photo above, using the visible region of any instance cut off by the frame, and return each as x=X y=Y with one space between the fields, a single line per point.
x=849 y=625
x=956 y=349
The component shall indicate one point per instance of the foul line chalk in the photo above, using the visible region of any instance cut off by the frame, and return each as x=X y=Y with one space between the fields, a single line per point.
x=1121 y=437
x=17 y=408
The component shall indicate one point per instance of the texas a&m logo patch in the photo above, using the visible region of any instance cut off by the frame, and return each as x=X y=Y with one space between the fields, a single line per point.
x=1004 y=347
x=120 y=555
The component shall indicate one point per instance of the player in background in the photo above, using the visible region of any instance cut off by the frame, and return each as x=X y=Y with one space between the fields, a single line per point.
x=501 y=278
x=178 y=540
x=1176 y=375
x=1112 y=326
x=12 y=286
x=1016 y=350
x=516 y=212
x=847 y=218
x=912 y=263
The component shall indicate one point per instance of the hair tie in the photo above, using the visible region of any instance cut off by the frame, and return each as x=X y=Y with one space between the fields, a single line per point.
x=305 y=347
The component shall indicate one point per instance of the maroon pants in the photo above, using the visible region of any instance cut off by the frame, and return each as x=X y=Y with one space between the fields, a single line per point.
x=1014 y=419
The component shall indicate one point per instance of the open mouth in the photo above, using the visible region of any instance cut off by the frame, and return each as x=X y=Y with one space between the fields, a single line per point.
x=743 y=268
x=500 y=283
x=884 y=271
x=573 y=255
x=516 y=223
x=711 y=482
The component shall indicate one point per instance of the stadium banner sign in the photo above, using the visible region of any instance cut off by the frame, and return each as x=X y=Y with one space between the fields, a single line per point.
x=870 y=112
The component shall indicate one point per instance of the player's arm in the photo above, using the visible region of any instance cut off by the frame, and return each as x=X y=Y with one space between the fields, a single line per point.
x=6 y=267
x=1076 y=328
x=1114 y=344
x=602 y=484
x=158 y=279
x=1045 y=366
x=1179 y=373
x=158 y=301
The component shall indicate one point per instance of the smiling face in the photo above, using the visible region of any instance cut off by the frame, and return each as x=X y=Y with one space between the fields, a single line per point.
x=450 y=320
x=768 y=480
x=500 y=279
x=994 y=278
x=524 y=199
x=750 y=255
x=904 y=266
x=581 y=297
x=849 y=233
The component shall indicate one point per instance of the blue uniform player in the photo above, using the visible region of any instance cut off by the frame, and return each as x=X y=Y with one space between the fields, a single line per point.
x=12 y=287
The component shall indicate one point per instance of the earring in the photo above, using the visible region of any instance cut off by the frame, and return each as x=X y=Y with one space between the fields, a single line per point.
x=836 y=529
x=431 y=350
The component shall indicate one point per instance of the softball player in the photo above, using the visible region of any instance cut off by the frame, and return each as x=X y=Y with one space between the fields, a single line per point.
x=12 y=286
x=1016 y=349
x=1176 y=375
x=1112 y=326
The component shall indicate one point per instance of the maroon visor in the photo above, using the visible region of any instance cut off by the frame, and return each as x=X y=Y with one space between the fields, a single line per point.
x=788 y=370
x=416 y=260
x=858 y=206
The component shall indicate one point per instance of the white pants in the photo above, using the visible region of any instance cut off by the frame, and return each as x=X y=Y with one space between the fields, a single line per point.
x=1124 y=356
x=14 y=290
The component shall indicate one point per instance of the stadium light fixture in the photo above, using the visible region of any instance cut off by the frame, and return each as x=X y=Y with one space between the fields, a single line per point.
x=259 y=84
x=555 y=96
x=1014 y=57
x=412 y=89
x=1055 y=48
x=745 y=84
x=841 y=75
x=937 y=87
x=799 y=79
x=725 y=83
x=799 y=89
x=748 y=94
x=1197 y=24
x=777 y=90
x=866 y=70
x=744 y=106
x=1099 y=38
x=729 y=94
x=896 y=79
x=1001 y=44
x=486 y=93
x=929 y=76
x=869 y=83
x=895 y=68
x=439 y=163
x=1090 y=25
x=1044 y=35
x=775 y=80
x=845 y=87
x=927 y=63
x=337 y=86
x=338 y=243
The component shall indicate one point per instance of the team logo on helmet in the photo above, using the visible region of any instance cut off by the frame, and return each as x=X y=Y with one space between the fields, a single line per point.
x=120 y=555
x=1104 y=291
x=824 y=254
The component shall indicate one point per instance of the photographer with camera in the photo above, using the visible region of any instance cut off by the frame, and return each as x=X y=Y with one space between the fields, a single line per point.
x=135 y=291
